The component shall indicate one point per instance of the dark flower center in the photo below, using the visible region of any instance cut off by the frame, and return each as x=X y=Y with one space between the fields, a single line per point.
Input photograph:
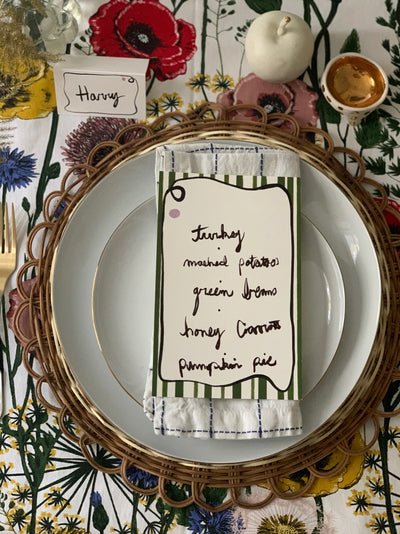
x=9 y=86
x=142 y=37
x=272 y=103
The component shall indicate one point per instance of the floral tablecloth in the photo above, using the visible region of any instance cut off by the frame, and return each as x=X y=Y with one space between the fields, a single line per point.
x=197 y=55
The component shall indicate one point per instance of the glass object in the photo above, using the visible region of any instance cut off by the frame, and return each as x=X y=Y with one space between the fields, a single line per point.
x=70 y=6
x=55 y=29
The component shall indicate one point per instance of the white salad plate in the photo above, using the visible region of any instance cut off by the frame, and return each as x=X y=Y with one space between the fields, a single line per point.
x=117 y=302
x=90 y=228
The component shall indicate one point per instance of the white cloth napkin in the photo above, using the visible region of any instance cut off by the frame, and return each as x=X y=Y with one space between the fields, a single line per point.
x=222 y=418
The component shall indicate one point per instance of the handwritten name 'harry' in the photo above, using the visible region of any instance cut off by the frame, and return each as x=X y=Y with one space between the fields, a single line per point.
x=86 y=95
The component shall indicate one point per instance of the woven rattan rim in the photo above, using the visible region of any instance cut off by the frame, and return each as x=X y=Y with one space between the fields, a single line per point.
x=50 y=367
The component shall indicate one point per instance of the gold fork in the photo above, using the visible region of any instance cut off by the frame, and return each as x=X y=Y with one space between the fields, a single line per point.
x=8 y=241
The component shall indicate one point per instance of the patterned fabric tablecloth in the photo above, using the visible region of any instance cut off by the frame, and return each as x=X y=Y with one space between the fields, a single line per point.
x=47 y=485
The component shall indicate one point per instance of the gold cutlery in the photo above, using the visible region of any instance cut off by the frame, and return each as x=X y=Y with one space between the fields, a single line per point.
x=8 y=262
x=8 y=240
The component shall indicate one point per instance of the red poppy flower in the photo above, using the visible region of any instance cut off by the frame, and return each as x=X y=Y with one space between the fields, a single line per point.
x=144 y=29
x=392 y=219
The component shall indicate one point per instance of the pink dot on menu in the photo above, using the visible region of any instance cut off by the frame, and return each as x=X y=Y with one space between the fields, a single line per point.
x=174 y=213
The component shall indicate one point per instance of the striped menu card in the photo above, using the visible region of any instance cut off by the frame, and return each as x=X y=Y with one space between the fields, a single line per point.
x=227 y=318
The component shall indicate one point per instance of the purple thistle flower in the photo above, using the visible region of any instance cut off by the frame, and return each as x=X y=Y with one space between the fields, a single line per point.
x=89 y=134
x=16 y=170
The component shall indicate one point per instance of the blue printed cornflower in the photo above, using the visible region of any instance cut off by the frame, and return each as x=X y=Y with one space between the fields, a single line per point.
x=95 y=499
x=16 y=169
x=202 y=521
x=141 y=478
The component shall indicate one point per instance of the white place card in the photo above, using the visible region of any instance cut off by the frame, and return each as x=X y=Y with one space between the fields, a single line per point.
x=101 y=86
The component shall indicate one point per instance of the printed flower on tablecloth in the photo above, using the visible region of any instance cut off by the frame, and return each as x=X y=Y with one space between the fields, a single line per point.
x=16 y=169
x=22 y=493
x=327 y=485
x=293 y=98
x=299 y=516
x=392 y=219
x=144 y=29
x=141 y=478
x=360 y=501
x=24 y=323
x=202 y=521
x=27 y=95
x=26 y=81
x=90 y=133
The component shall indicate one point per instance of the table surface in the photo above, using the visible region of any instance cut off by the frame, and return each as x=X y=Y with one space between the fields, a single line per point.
x=47 y=485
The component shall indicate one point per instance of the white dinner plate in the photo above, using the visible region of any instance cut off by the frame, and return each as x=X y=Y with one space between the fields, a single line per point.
x=118 y=301
x=86 y=234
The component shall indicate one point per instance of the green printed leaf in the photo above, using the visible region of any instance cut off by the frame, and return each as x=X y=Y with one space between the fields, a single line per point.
x=376 y=165
x=160 y=506
x=215 y=495
x=396 y=97
x=26 y=205
x=176 y=492
x=370 y=132
x=382 y=22
x=395 y=190
x=386 y=44
x=54 y=171
x=394 y=168
x=394 y=125
x=351 y=43
x=100 y=518
x=182 y=515
x=262 y=6
x=388 y=147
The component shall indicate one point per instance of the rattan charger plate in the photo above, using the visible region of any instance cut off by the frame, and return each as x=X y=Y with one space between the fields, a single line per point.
x=52 y=372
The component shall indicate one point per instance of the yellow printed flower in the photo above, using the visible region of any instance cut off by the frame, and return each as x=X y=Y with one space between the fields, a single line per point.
x=221 y=82
x=127 y=527
x=46 y=522
x=373 y=460
x=17 y=418
x=27 y=93
x=199 y=82
x=73 y=521
x=153 y=108
x=5 y=472
x=360 y=501
x=350 y=475
x=17 y=517
x=378 y=523
x=22 y=493
x=376 y=486
x=393 y=436
x=5 y=443
x=193 y=105
x=55 y=499
x=171 y=102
